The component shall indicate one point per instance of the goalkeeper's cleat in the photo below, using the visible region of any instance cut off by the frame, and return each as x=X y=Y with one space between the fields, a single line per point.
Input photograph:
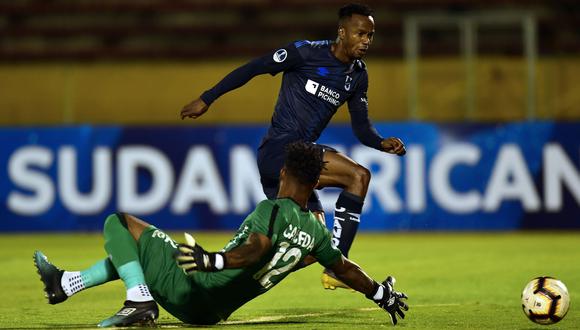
x=133 y=313
x=330 y=282
x=51 y=276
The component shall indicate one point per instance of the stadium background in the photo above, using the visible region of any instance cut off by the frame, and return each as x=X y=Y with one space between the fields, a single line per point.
x=484 y=93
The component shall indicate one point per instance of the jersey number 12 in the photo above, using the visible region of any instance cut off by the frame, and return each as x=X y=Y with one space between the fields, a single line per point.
x=279 y=264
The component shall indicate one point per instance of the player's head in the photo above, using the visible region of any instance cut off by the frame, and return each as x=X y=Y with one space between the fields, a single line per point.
x=356 y=27
x=303 y=164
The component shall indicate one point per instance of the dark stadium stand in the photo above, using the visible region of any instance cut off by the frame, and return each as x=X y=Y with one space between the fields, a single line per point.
x=182 y=29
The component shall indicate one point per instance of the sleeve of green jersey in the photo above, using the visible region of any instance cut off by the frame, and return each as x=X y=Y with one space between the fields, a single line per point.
x=325 y=252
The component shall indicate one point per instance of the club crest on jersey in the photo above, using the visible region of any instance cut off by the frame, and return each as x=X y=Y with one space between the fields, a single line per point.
x=347 y=83
x=280 y=55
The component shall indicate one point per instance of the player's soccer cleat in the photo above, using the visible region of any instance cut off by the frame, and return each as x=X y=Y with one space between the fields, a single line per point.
x=51 y=276
x=133 y=313
x=330 y=282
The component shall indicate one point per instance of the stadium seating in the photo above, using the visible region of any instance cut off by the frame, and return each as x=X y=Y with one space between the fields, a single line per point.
x=85 y=60
x=183 y=29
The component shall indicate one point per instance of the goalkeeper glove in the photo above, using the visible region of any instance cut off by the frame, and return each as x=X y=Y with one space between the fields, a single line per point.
x=390 y=300
x=192 y=257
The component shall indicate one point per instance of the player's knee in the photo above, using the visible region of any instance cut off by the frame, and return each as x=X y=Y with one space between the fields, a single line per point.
x=114 y=220
x=362 y=176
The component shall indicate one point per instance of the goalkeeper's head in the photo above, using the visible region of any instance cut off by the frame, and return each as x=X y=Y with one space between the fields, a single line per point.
x=303 y=163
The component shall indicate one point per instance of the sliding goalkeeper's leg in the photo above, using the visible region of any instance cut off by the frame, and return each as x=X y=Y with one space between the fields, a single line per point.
x=60 y=284
x=51 y=277
x=121 y=245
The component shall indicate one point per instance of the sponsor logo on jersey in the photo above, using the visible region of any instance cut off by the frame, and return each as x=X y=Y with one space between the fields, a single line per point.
x=311 y=86
x=329 y=95
x=280 y=55
x=326 y=93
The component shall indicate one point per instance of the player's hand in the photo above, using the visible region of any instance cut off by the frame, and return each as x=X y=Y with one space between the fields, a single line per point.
x=391 y=301
x=192 y=257
x=393 y=145
x=194 y=109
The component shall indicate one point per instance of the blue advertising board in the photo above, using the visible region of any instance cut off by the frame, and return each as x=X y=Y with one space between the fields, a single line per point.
x=453 y=177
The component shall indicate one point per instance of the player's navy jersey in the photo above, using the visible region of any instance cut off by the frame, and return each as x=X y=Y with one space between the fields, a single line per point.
x=315 y=84
x=294 y=233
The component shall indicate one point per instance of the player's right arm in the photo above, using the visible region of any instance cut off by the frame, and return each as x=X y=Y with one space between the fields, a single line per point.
x=352 y=275
x=272 y=63
x=383 y=294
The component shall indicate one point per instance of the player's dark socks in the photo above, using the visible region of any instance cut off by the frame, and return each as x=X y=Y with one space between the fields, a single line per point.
x=133 y=313
x=346 y=220
x=51 y=276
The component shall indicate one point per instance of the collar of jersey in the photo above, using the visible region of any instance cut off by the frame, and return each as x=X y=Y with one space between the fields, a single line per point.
x=295 y=202
x=349 y=67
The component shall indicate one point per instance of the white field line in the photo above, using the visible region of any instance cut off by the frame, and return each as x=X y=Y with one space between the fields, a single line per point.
x=272 y=318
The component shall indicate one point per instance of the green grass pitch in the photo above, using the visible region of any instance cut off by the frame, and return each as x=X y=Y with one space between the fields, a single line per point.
x=454 y=281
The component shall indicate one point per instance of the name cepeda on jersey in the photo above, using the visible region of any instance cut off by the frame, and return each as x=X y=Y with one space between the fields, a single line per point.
x=299 y=237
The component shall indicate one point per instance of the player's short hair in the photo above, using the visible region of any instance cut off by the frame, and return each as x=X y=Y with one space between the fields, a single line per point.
x=353 y=8
x=304 y=161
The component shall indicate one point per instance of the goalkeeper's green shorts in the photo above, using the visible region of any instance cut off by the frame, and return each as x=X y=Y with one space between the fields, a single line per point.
x=177 y=293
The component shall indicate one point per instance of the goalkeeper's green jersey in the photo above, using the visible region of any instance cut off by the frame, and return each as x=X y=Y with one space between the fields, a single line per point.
x=294 y=233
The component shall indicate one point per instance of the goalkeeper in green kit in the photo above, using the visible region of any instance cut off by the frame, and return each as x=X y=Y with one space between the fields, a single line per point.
x=200 y=287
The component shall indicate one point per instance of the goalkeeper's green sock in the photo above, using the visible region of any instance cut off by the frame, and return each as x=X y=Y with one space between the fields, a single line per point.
x=124 y=255
x=99 y=273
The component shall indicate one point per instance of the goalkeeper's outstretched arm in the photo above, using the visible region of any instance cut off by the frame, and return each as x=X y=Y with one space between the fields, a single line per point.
x=352 y=275
x=383 y=294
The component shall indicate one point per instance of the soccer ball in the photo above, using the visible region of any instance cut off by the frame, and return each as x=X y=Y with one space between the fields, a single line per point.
x=545 y=300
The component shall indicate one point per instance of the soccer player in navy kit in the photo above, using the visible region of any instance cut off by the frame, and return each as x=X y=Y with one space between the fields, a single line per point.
x=319 y=76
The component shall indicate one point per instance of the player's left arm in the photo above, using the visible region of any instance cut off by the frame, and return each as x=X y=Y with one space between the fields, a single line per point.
x=362 y=126
x=274 y=62
x=191 y=257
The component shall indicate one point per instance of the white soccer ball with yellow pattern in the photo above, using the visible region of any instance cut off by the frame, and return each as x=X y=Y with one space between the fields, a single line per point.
x=545 y=300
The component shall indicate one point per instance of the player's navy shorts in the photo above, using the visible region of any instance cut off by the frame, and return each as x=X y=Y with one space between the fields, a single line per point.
x=271 y=160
